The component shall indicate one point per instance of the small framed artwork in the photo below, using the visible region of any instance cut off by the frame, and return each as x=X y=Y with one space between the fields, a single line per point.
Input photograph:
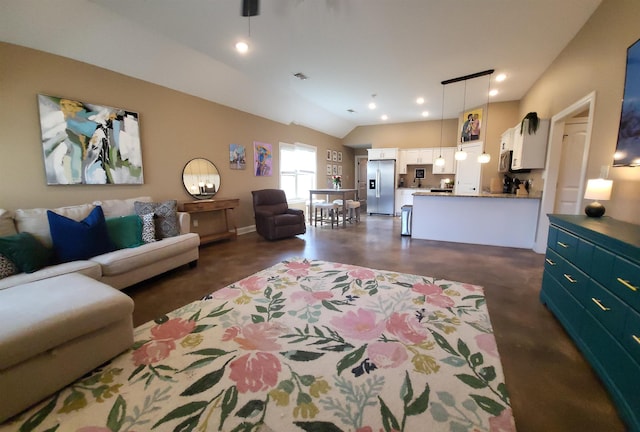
x=339 y=156
x=328 y=155
x=335 y=170
x=329 y=170
x=420 y=173
x=339 y=170
x=335 y=156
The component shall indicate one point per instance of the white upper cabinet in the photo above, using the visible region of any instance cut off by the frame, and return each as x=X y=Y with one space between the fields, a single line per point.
x=448 y=154
x=506 y=141
x=382 y=153
x=530 y=151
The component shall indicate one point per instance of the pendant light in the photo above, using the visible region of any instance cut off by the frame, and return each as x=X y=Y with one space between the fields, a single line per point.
x=439 y=161
x=461 y=154
x=486 y=157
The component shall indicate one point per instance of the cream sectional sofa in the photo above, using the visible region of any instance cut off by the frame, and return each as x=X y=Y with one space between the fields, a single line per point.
x=120 y=268
x=64 y=320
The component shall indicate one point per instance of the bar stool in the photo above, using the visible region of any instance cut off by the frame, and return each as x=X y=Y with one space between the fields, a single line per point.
x=354 y=210
x=331 y=209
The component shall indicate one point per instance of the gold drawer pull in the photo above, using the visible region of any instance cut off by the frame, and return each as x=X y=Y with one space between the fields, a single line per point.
x=564 y=245
x=636 y=338
x=627 y=284
x=569 y=278
x=596 y=301
x=549 y=261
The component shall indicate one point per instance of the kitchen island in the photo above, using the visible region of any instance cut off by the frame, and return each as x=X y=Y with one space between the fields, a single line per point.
x=486 y=219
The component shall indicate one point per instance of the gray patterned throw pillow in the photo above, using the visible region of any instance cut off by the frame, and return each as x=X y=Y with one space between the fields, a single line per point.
x=7 y=267
x=166 y=216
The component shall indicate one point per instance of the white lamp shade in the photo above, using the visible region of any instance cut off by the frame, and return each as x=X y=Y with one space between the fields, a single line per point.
x=484 y=158
x=439 y=161
x=460 y=155
x=598 y=189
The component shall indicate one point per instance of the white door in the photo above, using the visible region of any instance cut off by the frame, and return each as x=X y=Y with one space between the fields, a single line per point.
x=361 y=178
x=568 y=197
x=468 y=171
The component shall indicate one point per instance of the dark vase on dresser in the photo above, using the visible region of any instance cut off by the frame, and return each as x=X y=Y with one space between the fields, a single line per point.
x=591 y=283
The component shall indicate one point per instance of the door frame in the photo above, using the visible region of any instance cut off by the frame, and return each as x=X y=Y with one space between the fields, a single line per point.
x=357 y=160
x=554 y=153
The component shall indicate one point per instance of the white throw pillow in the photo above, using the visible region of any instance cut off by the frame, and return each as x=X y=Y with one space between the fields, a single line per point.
x=7 y=226
x=116 y=208
x=35 y=221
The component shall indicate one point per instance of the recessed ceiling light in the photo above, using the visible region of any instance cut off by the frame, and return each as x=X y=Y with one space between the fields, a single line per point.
x=242 y=47
x=420 y=100
x=501 y=77
x=372 y=105
x=493 y=92
x=425 y=113
x=384 y=117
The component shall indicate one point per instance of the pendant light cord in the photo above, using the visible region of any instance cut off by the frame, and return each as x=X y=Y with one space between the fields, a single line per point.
x=442 y=120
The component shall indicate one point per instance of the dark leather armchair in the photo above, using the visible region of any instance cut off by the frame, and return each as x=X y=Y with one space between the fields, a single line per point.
x=274 y=218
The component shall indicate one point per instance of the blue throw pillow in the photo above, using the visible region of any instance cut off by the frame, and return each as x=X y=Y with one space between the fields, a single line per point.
x=74 y=240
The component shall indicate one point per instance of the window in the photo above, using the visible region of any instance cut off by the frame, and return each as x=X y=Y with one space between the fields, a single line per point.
x=297 y=170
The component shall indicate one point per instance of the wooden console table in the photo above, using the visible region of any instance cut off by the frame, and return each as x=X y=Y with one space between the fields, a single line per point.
x=214 y=205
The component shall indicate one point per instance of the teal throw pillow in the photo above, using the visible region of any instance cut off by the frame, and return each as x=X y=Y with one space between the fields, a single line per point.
x=25 y=251
x=125 y=231
x=73 y=240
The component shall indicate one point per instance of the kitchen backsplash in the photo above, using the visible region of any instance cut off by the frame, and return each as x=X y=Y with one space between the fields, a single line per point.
x=429 y=180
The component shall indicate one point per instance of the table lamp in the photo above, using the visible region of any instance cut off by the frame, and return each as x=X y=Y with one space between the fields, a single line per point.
x=597 y=189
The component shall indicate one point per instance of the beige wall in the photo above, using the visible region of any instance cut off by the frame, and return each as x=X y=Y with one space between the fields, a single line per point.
x=422 y=134
x=595 y=61
x=174 y=128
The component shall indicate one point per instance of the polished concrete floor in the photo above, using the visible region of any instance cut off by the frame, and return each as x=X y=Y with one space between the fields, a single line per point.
x=552 y=387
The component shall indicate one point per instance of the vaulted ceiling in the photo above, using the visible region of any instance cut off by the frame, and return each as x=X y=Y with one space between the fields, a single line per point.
x=398 y=50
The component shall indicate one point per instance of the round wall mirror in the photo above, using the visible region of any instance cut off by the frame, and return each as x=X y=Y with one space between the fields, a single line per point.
x=201 y=178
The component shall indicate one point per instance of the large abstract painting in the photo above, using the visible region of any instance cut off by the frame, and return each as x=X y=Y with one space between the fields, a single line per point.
x=86 y=143
x=628 y=148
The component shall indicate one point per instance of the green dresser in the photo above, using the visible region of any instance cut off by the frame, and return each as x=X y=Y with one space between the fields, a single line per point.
x=591 y=283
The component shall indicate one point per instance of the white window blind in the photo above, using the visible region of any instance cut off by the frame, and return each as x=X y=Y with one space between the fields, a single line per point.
x=297 y=170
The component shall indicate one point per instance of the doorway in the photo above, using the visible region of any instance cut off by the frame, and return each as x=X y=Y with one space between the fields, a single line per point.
x=570 y=178
x=552 y=176
x=361 y=181
x=468 y=171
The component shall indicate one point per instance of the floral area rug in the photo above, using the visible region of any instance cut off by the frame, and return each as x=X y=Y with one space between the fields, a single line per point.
x=301 y=346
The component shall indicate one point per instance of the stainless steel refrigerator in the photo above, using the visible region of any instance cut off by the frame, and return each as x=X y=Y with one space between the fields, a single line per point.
x=381 y=188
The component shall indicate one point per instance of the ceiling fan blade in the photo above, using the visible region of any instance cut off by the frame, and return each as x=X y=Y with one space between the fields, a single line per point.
x=250 y=8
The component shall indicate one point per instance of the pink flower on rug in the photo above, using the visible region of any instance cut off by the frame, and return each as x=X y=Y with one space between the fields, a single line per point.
x=360 y=325
x=173 y=329
x=503 y=423
x=407 y=328
x=93 y=429
x=225 y=294
x=433 y=295
x=311 y=297
x=487 y=343
x=387 y=355
x=472 y=288
x=259 y=337
x=298 y=269
x=231 y=333
x=253 y=284
x=255 y=372
x=153 y=352
x=362 y=273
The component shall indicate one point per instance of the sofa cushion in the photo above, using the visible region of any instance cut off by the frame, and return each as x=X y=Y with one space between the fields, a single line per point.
x=114 y=208
x=7 y=267
x=125 y=260
x=125 y=231
x=25 y=251
x=166 y=216
x=87 y=268
x=35 y=220
x=55 y=311
x=74 y=240
x=7 y=226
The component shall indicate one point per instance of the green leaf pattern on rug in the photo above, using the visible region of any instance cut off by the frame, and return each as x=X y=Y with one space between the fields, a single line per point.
x=304 y=345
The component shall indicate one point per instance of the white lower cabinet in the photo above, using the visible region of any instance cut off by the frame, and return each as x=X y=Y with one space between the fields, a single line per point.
x=403 y=197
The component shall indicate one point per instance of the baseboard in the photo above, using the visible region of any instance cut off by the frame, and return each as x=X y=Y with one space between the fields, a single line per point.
x=246 y=230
